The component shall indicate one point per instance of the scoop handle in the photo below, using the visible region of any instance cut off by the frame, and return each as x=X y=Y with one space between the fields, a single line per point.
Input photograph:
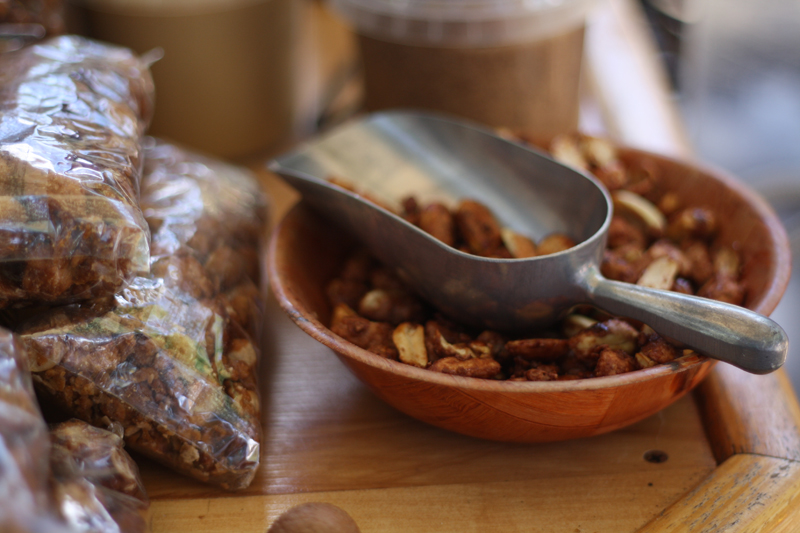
x=719 y=330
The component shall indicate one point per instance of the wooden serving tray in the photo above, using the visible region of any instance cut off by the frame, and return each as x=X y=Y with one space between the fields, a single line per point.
x=724 y=459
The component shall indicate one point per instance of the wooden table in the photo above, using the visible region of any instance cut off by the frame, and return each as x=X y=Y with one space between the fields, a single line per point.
x=723 y=460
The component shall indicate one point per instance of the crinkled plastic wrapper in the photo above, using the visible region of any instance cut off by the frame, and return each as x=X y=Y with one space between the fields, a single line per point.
x=26 y=502
x=97 y=484
x=72 y=116
x=169 y=358
x=207 y=218
x=48 y=13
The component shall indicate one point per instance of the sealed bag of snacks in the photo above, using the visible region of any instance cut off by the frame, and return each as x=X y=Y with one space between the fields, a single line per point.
x=49 y=14
x=96 y=482
x=26 y=501
x=168 y=357
x=72 y=116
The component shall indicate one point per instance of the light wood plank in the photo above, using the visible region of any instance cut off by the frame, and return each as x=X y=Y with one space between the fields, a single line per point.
x=588 y=504
x=747 y=493
x=744 y=413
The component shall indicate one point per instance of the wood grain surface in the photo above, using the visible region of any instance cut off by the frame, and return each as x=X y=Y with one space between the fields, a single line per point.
x=743 y=413
x=746 y=493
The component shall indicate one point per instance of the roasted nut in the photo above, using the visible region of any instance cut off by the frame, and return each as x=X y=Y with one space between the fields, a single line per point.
x=438 y=330
x=643 y=361
x=383 y=278
x=623 y=264
x=411 y=210
x=574 y=323
x=612 y=175
x=375 y=337
x=621 y=232
x=518 y=245
x=726 y=262
x=664 y=248
x=461 y=351
x=599 y=152
x=613 y=361
x=643 y=179
x=393 y=306
x=648 y=214
x=693 y=222
x=701 y=267
x=723 y=289
x=478 y=227
x=495 y=342
x=660 y=351
x=437 y=220
x=660 y=274
x=345 y=291
x=683 y=286
x=614 y=333
x=358 y=267
x=474 y=368
x=565 y=148
x=542 y=373
x=409 y=339
x=554 y=243
x=544 y=350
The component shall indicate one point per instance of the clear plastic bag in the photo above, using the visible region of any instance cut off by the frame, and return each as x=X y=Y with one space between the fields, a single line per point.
x=48 y=13
x=210 y=211
x=97 y=484
x=26 y=501
x=168 y=357
x=72 y=116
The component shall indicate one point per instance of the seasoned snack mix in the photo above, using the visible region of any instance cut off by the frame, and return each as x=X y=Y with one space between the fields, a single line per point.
x=82 y=482
x=26 y=502
x=169 y=357
x=72 y=115
x=655 y=240
x=96 y=482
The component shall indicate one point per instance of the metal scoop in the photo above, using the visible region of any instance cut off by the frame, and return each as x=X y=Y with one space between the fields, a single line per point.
x=396 y=154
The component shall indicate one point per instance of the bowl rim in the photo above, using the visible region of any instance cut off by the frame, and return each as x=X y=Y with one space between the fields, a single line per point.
x=310 y=324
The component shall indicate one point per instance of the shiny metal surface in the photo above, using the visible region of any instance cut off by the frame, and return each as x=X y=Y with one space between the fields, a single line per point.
x=393 y=154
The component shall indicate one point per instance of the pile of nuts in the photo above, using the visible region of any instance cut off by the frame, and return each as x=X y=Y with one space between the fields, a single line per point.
x=653 y=241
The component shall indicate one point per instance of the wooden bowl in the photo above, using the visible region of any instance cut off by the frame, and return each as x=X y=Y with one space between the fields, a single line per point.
x=306 y=252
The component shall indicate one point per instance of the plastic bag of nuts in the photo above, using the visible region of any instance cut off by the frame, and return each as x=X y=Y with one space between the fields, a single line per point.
x=169 y=358
x=96 y=482
x=73 y=115
x=26 y=502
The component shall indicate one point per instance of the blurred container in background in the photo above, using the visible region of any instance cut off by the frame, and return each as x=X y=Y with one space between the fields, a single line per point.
x=739 y=81
x=225 y=84
x=740 y=88
x=512 y=63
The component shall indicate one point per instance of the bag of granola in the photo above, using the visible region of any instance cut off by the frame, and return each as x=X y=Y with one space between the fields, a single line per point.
x=97 y=484
x=26 y=501
x=168 y=358
x=72 y=116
